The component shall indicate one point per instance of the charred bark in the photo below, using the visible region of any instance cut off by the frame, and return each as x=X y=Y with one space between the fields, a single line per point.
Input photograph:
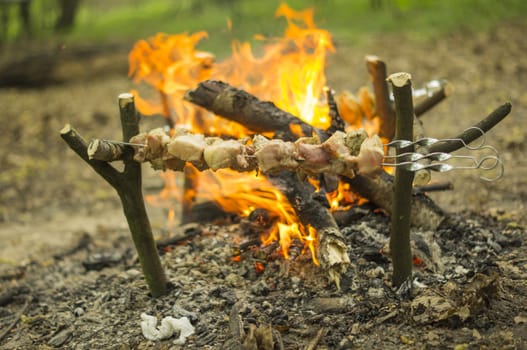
x=337 y=123
x=379 y=191
x=239 y=106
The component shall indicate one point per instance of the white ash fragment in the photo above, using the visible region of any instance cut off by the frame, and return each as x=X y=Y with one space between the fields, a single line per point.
x=169 y=326
x=179 y=311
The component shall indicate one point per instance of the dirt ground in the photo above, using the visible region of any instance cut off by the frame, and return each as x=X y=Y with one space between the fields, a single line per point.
x=50 y=201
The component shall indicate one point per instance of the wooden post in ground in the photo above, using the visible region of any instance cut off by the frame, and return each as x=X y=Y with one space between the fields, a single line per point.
x=400 y=248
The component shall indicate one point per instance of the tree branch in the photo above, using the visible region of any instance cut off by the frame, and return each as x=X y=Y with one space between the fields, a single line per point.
x=128 y=187
x=473 y=133
x=79 y=146
x=431 y=101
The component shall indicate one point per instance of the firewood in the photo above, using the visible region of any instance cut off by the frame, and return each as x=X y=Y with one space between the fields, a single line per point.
x=474 y=132
x=337 y=123
x=385 y=111
x=244 y=108
x=310 y=209
x=379 y=191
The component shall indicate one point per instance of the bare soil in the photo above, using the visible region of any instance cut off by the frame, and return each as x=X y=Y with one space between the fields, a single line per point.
x=471 y=284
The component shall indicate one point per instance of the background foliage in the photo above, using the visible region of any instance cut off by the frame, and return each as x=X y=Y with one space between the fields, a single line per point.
x=128 y=20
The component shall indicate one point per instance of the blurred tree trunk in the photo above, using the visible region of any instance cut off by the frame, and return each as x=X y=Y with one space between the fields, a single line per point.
x=25 y=16
x=68 y=10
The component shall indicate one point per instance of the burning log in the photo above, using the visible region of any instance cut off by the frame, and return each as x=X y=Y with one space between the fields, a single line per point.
x=379 y=191
x=244 y=108
x=332 y=251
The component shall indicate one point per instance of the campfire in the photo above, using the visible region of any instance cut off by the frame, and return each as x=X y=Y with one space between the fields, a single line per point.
x=290 y=162
x=289 y=71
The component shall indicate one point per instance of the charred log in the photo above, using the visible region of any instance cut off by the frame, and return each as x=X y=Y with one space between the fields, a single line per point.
x=379 y=191
x=337 y=123
x=312 y=210
x=239 y=106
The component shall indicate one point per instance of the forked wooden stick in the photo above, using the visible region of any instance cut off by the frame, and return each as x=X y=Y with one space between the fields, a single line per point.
x=128 y=187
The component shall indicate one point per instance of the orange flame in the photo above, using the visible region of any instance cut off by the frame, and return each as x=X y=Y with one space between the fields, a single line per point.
x=289 y=72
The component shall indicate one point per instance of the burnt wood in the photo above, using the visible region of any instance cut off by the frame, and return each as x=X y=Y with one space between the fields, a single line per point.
x=240 y=106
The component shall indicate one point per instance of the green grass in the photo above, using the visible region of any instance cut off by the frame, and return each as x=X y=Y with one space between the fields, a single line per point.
x=348 y=20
